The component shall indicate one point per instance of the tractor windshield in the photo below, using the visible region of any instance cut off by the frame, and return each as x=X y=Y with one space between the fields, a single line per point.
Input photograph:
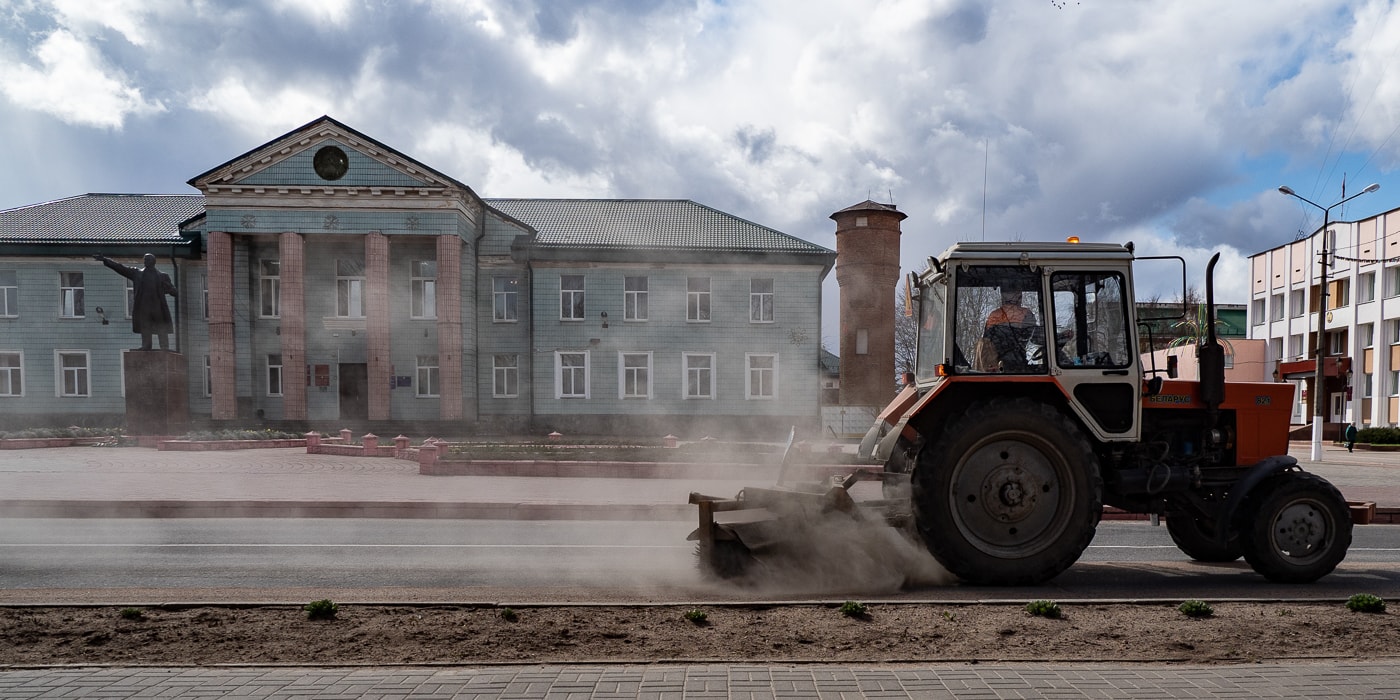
x=998 y=322
x=933 y=307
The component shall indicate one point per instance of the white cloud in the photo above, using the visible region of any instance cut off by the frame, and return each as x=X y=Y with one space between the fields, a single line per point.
x=318 y=12
x=132 y=19
x=261 y=111
x=73 y=84
x=494 y=169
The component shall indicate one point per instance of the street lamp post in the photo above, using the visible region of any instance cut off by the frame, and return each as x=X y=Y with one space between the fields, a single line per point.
x=1318 y=398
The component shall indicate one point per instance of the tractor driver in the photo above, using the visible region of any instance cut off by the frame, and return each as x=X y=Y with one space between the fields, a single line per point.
x=1009 y=327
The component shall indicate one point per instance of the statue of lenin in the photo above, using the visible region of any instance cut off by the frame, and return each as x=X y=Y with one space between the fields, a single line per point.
x=149 y=312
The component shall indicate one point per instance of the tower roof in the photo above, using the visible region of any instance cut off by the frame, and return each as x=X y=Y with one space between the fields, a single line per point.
x=872 y=205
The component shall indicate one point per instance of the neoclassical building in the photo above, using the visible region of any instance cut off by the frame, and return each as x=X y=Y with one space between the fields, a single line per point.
x=326 y=278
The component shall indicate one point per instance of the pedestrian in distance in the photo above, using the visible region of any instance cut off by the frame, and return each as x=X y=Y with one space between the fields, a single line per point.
x=1351 y=436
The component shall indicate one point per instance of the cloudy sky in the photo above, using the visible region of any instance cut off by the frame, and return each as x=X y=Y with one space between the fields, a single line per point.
x=1170 y=123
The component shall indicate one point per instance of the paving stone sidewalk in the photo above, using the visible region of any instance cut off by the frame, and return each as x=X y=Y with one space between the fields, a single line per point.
x=666 y=681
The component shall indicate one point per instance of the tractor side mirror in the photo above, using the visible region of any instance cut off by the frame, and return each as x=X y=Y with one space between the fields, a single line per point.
x=1171 y=366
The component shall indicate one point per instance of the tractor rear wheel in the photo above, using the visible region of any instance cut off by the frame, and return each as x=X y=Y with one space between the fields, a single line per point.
x=1196 y=539
x=1297 y=530
x=1008 y=493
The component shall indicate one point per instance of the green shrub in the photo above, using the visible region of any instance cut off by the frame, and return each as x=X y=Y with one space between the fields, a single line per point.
x=322 y=609
x=1378 y=436
x=1196 y=608
x=509 y=615
x=131 y=614
x=851 y=608
x=1365 y=602
x=1044 y=608
x=697 y=616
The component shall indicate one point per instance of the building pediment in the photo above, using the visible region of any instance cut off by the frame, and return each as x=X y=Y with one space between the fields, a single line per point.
x=326 y=159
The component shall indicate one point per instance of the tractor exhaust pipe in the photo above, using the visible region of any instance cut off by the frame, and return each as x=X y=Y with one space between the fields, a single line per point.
x=1210 y=355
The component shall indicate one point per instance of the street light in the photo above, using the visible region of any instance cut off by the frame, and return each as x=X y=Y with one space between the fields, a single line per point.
x=1318 y=415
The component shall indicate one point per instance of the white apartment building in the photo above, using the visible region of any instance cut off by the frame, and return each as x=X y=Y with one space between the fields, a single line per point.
x=1361 y=340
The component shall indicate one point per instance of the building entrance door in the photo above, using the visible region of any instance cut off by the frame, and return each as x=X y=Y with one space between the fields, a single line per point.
x=354 y=399
x=1339 y=407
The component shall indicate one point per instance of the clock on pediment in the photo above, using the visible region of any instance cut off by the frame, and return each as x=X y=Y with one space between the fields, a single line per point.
x=330 y=163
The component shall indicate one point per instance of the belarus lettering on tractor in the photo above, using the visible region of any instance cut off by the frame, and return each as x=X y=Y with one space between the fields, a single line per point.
x=1031 y=410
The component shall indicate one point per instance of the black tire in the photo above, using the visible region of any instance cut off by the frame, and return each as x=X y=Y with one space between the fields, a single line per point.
x=1009 y=493
x=725 y=560
x=1196 y=539
x=1297 y=528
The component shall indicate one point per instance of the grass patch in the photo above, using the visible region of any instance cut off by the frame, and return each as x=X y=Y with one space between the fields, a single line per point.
x=1196 y=608
x=1365 y=602
x=851 y=608
x=323 y=609
x=1044 y=608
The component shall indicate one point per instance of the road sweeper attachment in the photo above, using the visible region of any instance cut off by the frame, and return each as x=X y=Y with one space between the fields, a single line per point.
x=764 y=525
x=1032 y=410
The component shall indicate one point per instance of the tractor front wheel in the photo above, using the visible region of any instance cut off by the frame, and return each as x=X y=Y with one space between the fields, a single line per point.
x=1008 y=493
x=1196 y=539
x=1298 y=528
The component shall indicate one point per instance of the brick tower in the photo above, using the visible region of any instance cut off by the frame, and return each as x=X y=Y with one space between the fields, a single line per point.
x=867 y=271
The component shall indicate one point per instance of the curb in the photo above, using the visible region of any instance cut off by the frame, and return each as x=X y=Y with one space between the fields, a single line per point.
x=19 y=508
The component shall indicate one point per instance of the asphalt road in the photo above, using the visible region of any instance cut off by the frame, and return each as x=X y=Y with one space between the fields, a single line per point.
x=144 y=561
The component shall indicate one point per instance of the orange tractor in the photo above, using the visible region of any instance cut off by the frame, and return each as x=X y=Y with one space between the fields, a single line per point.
x=1031 y=410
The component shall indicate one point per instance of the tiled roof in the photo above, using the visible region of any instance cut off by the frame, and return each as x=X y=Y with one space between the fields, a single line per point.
x=101 y=218
x=645 y=223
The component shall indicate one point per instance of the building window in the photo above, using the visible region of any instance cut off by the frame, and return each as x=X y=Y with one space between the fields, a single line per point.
x=70 y=294
x=11 y=373
x=761 y=300
x=208 y=378
x=1365 y=334
x=699 y=380
x=634 y=299
x=349 y=288
x=72 y=377
x=423 y=289
x=427 y=376
x=1337 y=342
x=1296 y=305
x=504 y=296
x=1339 y=296
x=570 y=375
x=697 y=299
x=862 y=341
x=1393 y=377
x=130 y=297
x=571 y=297
x=1276 y=311
x=1392 y=282
x=636 y=375
x=762 y=381
x=9 y=293
x=505 y=370
x=270 y=289
x=1366 y=287
x=1392 y=331
x=274 y=375
x=204 y=294
x=1276 y=349
x=1256 y=312
x=1295 y=346
x=1367 y=380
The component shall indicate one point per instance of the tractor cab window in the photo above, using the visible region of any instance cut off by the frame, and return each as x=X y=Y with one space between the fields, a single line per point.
x=1091 y=320
x=999 y=320
x=932 y=305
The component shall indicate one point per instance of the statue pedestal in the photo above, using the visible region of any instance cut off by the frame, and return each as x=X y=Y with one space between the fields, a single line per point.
x=157 y=402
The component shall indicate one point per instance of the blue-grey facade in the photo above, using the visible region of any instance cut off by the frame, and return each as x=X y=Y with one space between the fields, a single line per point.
x=326 y=279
